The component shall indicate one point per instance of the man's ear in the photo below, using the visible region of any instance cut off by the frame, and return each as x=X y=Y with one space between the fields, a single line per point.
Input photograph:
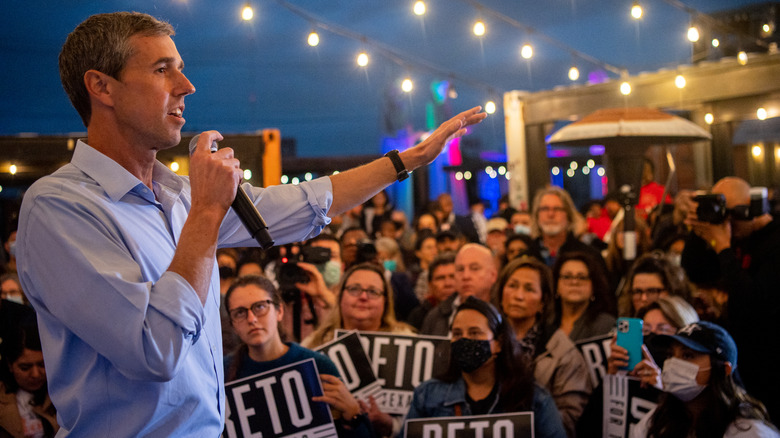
x=99 y=86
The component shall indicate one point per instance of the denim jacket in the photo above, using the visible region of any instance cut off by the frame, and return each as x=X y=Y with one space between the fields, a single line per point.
x=434 y=398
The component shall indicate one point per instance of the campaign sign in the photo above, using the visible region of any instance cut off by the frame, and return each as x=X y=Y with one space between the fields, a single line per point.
x=595 y=351
x=514 y=425
x=278 y=403
x=401 y=363
x=625 y=403
x=347 y=353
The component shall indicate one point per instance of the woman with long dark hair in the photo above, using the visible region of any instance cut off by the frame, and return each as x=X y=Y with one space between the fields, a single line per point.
x=702 y=397
x=487 y=374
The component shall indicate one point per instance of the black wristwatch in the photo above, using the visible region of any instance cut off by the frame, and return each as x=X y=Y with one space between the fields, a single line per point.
x=355 y=421
x=400 y=169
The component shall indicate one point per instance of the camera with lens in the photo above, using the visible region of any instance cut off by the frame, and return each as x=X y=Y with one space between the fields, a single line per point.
x=711 y=208
x=290 y=273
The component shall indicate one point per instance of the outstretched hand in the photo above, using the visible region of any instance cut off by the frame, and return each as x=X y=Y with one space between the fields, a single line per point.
x=431 y=147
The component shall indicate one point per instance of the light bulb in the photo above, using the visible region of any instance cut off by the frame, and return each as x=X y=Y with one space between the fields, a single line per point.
x=527 y=51
x=574 y=73
x=715 y=42
x=625 y=88
x=756 y=151
x=362 y=59
x=636 y=11
x=314 y=39
x=761 y=113
x=490 y=107
x=693 y=34
x=247 y=174
x=679 y=81
x=709 y=118
x=742 y=57
x=479 y=28
x=419 y=8
x=12 y=169
x=407 y=85
x=247 y=13
x=175 y=166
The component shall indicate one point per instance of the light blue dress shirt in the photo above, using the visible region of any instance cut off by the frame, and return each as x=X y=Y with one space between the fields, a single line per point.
x=129 y=349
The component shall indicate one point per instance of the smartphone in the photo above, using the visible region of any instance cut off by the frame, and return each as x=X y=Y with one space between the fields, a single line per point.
x=629 y=336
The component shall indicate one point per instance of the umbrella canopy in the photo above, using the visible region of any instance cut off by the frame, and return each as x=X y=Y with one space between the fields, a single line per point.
x=628 y=126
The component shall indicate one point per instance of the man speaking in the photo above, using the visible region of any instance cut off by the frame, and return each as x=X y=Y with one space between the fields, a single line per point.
x=117 y=253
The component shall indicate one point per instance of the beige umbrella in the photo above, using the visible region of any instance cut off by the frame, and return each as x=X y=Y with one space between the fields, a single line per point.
x=628 y=128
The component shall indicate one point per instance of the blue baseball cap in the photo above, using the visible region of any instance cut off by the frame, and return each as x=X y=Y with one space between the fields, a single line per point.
x=705 y=337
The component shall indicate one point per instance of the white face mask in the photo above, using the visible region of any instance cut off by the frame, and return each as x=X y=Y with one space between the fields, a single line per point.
x=679 y=379
x=15 y=299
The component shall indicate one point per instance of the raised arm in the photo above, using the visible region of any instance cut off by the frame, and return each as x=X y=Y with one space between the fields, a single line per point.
x=357 y=185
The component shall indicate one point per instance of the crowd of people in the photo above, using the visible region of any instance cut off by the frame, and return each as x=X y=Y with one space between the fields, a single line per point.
x=128 y=319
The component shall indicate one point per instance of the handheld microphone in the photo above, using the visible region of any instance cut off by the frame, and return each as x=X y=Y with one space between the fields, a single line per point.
x=244 y=208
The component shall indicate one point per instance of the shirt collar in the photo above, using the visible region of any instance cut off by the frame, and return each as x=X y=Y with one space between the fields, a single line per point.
x=115 y=179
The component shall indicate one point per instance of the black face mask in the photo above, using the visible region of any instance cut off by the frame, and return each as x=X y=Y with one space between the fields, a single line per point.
x=469 y=354
x=659 y=353
x=226 y=272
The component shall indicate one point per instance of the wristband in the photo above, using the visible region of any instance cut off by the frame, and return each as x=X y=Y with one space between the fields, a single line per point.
x=400 y=169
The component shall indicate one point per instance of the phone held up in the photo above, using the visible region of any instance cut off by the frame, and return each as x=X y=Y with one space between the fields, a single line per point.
x=629 y=336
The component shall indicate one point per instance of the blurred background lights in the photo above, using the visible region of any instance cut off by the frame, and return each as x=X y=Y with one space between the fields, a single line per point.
x=693 y=34
x=527 y=51
x=600 y=171
x=761 y=113
x=12 y=169
x=556 y=170
x=308 y=176
x=489 y=170
x=742 y=57
x=175 y=166
x=247 y=13
x=502 y=169
x=636 y=11
x=585 y=170
x=362 y=59
x=467 y=175
x=314 y=39
x=715 y=42
x=679 y=81
x=407 y=85
x=625 y=88
x=419 y=8
x=756 y=150
x=570 y=172
x=490 y=107
x=573 y=165
x=247 y=174
x=574 y=73
x=591 y=164
x=479 y=28
x=709 y=118
x=459 y=176
x=284 y=179
x=296 y=181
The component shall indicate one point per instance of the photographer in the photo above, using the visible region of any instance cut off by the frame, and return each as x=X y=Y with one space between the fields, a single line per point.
x=741 y=246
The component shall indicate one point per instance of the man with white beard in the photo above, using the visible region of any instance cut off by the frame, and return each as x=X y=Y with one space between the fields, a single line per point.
x=556 y=223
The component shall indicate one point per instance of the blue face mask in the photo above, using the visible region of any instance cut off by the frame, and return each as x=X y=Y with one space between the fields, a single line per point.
x=12 y=248
x=331 y=273
x=522 y=229
x=390 y=265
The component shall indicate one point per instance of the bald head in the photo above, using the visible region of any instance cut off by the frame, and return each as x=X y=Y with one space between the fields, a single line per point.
x=736 y=190
x=475 y=271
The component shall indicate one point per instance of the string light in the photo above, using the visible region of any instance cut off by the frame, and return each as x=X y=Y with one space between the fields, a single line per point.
x=625 y=88
x=574 y=73
x=479 y=28
x=308 y=176
x=490 y=107
x=247 y=13
x=709 y=118
x=362 y=59
x=679 y=81
x=284 y=179
x=761 y=113
x=636 y=11
x=742 y=57
x=419 y=8
x=693 y=34
x=314 y=39
x=407 y=85
x=527 y=51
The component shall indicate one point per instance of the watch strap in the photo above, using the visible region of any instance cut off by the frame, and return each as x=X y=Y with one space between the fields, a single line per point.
x=400 y=169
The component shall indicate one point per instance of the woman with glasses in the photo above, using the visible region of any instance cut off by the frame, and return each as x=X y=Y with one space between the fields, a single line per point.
x=487 y=374
x=254 y=307
x=524 y=293
x=583 y=304
x=653 y=275
x=365 y=303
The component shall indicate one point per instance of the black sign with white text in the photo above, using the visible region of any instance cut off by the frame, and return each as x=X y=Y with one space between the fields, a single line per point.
x=595 y=351
x=514 y=425
x=278 y=403
x=352 y=362
x=401 y=363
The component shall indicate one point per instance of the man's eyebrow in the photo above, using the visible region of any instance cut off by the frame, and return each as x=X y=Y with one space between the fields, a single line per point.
x=170 y=60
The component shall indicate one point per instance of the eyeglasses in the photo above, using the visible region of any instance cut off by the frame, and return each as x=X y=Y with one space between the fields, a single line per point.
x=650 y=291
x=570 y=277
x=660 y=329
x=355 y=290
x=259 y=309
x=548 y=209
